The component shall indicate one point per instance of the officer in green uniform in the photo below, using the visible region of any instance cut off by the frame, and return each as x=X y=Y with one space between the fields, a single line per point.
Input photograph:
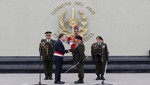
x=99 y=54
x=78 y=56
x=46 y=52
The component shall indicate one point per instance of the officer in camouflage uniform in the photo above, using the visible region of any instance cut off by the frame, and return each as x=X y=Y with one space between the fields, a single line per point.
x=99 y=54
x=78 y=56
x=46 y=52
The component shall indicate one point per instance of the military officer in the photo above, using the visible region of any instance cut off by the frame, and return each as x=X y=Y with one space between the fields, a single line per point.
x=78 y=56
x=99 y=54
x=46 y=49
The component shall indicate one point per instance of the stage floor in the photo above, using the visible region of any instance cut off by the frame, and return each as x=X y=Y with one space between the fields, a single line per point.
x=113 y=78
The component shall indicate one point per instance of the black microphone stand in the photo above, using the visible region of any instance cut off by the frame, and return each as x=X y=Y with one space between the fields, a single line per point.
x=40 y=69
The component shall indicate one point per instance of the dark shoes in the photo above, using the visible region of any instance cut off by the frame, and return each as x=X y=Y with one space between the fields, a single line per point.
x=48 y=78
x=100 y=78
x=59 y=82
x=79 y=82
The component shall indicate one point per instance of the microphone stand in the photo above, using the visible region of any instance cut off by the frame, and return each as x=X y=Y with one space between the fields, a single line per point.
x=103 y=83
x=40 y=69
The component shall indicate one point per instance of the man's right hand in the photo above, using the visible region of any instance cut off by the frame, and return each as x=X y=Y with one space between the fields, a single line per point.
x=70 y=50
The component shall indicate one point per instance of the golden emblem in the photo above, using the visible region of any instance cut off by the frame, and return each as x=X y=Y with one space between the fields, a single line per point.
x=73 y=23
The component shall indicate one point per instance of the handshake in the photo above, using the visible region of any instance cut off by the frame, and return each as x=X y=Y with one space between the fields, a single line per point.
x=70 y=50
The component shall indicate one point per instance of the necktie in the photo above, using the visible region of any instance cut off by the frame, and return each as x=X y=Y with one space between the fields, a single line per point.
x=99 y=44
x=48 y=40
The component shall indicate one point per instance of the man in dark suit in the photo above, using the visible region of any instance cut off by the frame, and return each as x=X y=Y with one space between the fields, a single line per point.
x=99 y=54
x=58 y=57
x=78 y=56
x=46 y=49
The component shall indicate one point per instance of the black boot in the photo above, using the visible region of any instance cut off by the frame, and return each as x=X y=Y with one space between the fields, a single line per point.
x=50 y=78
x=102 y=78
x=98 y=77
x=79 y=82
x=46 y=78
x=59 y=82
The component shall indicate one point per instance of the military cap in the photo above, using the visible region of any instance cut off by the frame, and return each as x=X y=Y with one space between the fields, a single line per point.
x=48 y=32
x=99 y=37
x=78 y=37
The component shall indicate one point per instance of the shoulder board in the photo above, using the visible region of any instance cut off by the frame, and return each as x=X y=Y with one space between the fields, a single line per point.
x=43 y=40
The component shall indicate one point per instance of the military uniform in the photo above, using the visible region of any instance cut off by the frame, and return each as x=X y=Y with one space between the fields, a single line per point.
x=78 y=56
x=99 y=54
x=46 y=51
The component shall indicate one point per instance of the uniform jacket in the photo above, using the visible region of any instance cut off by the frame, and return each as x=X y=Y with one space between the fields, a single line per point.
x=78 y=52
x=46 y=49
x=103 y=50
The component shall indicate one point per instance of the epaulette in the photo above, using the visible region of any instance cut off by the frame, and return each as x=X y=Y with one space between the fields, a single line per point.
x=43 y=40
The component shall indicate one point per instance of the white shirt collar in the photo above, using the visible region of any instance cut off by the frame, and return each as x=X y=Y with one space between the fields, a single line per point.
x=60 y=40
x=48 y=40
